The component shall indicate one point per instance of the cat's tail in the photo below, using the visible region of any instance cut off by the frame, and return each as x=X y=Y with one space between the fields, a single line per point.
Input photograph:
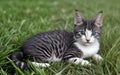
x=17 y=58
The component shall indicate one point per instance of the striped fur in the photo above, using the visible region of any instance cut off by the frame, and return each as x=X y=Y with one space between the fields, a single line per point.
x=61 y=44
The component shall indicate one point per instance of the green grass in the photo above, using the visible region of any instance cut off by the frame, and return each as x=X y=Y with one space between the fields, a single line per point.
x=19 y=19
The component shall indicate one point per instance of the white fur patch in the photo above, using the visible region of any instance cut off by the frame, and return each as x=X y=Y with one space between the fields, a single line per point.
x=88 y=50
x=85 y=62
x=88 y=34
x=77 y=61
x=41 y=64
x=22 y=64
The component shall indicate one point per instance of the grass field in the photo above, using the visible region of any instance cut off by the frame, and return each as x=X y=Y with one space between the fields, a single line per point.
x=20 y=19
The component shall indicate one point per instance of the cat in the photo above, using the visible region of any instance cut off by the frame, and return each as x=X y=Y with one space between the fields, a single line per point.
x=62 y=45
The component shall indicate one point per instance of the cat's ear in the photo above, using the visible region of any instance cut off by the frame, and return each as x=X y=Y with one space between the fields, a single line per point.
x=77 y=18
x=98 y=19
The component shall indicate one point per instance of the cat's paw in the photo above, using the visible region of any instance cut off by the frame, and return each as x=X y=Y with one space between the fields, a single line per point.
x=41 y=64
x=81 y=61
x=75 y=60
x=97 y=58
x=44 y=64
x=85 y=63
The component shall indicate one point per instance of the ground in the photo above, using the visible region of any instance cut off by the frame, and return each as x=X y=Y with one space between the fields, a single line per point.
x=19 y=19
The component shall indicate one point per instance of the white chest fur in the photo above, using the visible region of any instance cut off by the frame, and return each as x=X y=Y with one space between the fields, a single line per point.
x=88 y=51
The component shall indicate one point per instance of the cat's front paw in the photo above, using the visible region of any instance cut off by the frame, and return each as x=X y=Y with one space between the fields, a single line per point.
x=97 y=58
x=81 y=61
x=85 y=63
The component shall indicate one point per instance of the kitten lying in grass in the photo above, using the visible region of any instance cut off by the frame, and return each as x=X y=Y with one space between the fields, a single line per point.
x=63 y=45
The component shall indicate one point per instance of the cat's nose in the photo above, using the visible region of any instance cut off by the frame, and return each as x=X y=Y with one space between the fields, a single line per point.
x=87 y=40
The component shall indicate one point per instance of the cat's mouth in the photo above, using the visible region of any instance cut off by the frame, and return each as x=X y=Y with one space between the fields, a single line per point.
x=87 y=43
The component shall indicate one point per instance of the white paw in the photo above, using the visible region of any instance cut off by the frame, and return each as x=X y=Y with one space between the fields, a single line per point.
x=81 y=61
x=75 y=60
x=85 y=63
x=97 y=58
x=41 y=64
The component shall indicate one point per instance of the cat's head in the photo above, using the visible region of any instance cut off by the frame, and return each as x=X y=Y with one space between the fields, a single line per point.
x=87 y=32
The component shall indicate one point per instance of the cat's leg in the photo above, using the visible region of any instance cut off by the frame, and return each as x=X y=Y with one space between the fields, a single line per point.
x=77 y=61
x=73 y=55
x=37 y=56
x=39 y=61
x=97 y=57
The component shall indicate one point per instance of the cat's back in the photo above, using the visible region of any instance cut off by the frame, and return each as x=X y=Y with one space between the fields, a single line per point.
x=50 y=37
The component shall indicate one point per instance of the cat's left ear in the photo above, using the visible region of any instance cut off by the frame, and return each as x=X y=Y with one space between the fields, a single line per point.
x=98 y=20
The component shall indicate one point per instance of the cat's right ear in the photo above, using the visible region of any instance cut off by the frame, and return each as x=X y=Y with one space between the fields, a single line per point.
x=77 y=18
x=98 y=20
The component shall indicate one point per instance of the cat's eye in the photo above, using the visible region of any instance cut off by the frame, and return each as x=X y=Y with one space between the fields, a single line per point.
x=93 y=33
x=82 y=32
